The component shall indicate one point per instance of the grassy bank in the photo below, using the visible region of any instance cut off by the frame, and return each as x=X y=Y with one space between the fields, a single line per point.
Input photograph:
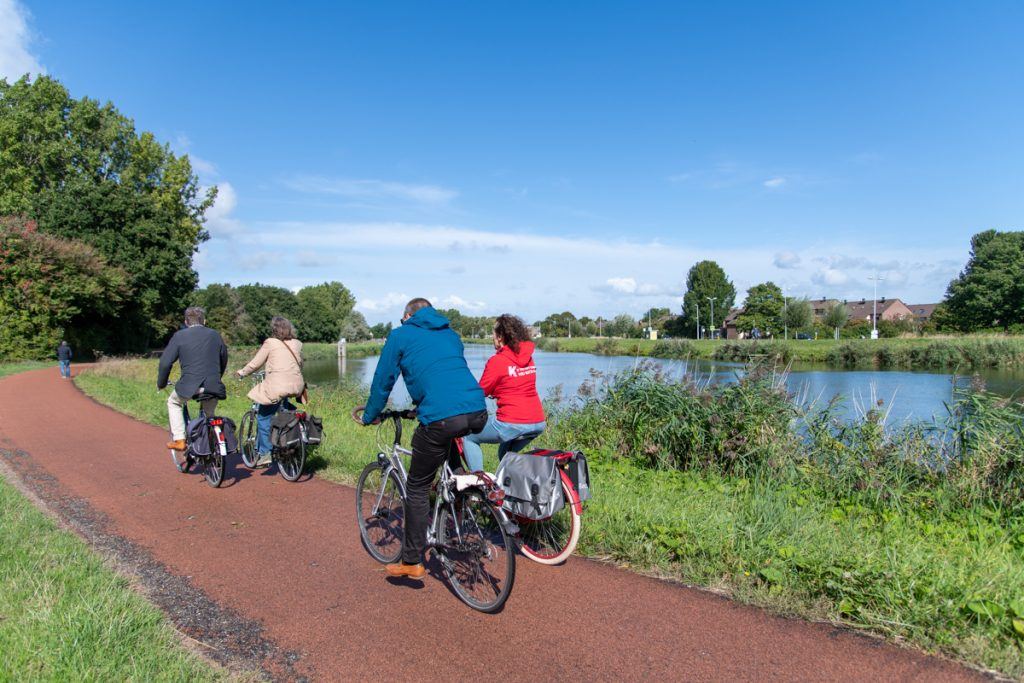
x=952 y=353
x=11 y=367
x=729 y=487
x=64 y=616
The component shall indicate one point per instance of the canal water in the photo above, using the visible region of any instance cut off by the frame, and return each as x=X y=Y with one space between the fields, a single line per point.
x=906 y=395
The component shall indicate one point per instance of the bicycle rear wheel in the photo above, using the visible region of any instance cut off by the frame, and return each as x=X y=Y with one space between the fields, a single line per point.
x=381 y=530
x=551 y=540
x=476 y=553
x=247 y=440
x=291 y=461
x=213 y=464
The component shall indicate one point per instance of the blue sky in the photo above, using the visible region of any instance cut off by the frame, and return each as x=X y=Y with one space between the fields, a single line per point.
x=537 y=157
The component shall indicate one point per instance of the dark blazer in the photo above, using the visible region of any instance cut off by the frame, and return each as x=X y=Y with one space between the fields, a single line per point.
x=64 y=352
x=203 y=358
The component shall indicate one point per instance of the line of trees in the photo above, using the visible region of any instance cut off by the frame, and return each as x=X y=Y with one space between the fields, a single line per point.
x=321 y=313
x=100 y=222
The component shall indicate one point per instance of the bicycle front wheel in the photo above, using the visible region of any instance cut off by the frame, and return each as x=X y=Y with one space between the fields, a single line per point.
x=247 y=440
x=380 y=512
x=476 y=553
x=551 y=540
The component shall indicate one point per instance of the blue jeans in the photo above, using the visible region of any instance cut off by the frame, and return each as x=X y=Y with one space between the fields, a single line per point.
x=511 y=436
x=264 y=416
x=65 y=368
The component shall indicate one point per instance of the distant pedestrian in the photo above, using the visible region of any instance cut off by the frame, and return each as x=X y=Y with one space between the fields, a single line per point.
x=64 y=359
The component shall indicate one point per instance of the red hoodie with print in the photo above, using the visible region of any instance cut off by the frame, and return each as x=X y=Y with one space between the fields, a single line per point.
x=511 y=378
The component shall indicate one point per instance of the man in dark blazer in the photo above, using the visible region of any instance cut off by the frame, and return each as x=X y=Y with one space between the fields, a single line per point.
x=203 y=358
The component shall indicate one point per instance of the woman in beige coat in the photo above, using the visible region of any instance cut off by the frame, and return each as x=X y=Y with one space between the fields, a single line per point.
x=281 y=356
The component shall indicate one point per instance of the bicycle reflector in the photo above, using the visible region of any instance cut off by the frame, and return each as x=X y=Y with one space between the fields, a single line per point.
x=216 y=422
x=496 y=496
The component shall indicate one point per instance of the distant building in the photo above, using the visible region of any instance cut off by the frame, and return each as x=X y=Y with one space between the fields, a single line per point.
x=887 y=309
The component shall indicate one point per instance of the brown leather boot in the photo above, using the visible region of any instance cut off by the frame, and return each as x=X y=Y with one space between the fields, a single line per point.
x=178 y=445
x=413 y=571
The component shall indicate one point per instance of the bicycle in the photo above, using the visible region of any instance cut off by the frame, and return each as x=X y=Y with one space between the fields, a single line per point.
x=290 y=461
x=213 y=464
x=468 y=531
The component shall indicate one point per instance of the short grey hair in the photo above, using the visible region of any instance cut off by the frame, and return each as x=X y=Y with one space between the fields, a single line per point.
x=194 y=315
x=415 y=305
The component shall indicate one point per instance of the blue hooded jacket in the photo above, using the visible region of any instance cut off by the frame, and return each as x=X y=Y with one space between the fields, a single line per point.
x=430 y=356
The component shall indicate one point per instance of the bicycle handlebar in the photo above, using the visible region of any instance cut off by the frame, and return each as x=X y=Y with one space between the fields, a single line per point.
x=409 y=414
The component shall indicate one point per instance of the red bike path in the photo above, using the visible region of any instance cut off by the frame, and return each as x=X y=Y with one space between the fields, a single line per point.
x=268 y=572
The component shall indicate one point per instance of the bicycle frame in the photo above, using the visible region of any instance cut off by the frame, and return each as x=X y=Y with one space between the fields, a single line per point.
x=392 y=462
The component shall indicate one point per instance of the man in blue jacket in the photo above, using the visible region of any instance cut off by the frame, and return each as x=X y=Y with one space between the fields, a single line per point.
x=449 y=404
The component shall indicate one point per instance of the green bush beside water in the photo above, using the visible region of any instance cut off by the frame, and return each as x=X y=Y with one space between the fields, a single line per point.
x=963 y=353
x=915 y=533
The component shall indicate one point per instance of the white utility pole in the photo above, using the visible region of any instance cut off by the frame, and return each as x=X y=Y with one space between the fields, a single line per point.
x=874 y=306
x=697 y=305
x=712 y=326
x=785 y=318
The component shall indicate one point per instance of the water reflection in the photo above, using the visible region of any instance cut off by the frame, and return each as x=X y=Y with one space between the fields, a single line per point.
x=907 y=395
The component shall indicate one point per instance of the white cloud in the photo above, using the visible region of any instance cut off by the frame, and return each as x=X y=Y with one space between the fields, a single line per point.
x=202 y=166
x=373 y=189
x=786 y=260
x=455 y=301
x=774 y=183
x=219 y=220
x=15 y=39
x=629 y=286
x=384 y=304
x=830 y=277
x=314 y=259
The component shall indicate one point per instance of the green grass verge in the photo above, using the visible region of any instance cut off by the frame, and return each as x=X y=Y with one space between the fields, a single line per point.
x=12 y=367
x=946 y=580
x=64 y=616
x=953 y=353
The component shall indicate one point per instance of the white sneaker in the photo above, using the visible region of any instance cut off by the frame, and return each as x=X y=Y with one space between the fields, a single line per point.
x=264 y=459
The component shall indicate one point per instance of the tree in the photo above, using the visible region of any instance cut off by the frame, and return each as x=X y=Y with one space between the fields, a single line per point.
x=762 y=309
x=321 y=311
x=837 y=317
x=53 y=289
x=558 y=324
x=707 y=279
x=380 y=330
x=989 y=292
x=226 y=313
x=82 y=172
x=623 y=326
x=354 y=327
x=797 y=314
x=263 y=302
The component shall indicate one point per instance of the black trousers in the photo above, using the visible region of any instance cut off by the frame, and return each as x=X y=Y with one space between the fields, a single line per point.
x=431 y=444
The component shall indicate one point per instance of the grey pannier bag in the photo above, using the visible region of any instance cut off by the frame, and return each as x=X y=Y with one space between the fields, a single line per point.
x=532 y=485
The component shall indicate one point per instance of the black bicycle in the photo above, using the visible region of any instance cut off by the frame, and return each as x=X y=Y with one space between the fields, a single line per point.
x=290 y=461
x=213 y=457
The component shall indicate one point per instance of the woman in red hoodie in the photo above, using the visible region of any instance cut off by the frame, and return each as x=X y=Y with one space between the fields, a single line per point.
x=510 y=377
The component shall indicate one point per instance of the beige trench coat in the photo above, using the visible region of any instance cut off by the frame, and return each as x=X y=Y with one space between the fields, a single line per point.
x=284 y=375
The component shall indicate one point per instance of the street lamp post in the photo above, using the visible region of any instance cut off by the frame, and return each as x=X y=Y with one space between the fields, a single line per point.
x=712 y=326
x=874 y=306
x=785 y=317
x=697 y=306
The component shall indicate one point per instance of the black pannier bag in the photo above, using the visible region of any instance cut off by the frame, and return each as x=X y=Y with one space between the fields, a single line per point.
x=201 y=435
x=314 y=430
x=532 y=485
x=285 y=431
x=579 y=473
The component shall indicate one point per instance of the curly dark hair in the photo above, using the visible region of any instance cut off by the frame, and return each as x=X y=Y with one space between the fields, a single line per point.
x=511 y=330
